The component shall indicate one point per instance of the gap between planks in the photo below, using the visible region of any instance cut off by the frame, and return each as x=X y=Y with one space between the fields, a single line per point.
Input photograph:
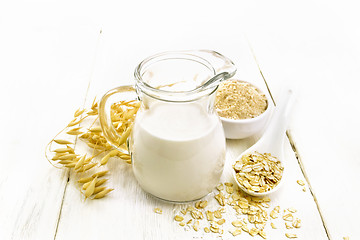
x=288 y=133
x=62 y=202
x=84 y=104
x=298 y=158
x=293 y=147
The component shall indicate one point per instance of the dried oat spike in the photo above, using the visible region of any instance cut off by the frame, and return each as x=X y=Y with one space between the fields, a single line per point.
x=95 y=130
x=103 y=193
x=60 y=141
x=70 y=165
x=63 y=150
x=101 y=182
x=57 y=156
x=90 y=189
x=94 y=104
x=80 y=163
x=78 y=112
x=64 y=162
x=100 y=174
x=74 y=132
x=105 y=159
x=74 y=122
x=98 y=183
x=98 y=189
x=85 y=180
x=125 y=156
x=88 y=167
x=70 y=156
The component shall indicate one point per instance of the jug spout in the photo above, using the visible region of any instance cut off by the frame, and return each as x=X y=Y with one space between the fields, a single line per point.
x=182 y=75
x=223 y=67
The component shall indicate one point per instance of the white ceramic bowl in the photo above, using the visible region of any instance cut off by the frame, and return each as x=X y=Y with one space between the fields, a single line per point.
x=243 y=128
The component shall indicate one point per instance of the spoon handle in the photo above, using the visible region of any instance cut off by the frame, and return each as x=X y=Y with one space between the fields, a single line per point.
x=276 y=129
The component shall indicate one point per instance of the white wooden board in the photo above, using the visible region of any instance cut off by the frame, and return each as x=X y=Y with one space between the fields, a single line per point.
x=52 y=61
x=319 y=57
x=128 y=212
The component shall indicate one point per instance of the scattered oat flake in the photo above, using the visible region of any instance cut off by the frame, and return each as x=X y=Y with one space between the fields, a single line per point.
x=221 y=221
x=346 y=238
x=182 y=224
x=158 y=210
x=301 y=182
x=253 y=231
x=217 y=214
x=214 y=230
x=196 y=225
x=228 y=184
x=237 y=223
x=288 y=217
x=273 y=225
x=209 y=215
x=245 y=228
x=288 y=225
x=297 y=223
x=290 y=235
x=292 y=210
x=178 y=218
x=235 y=232
x=262 y=234
x=266 y=205
x=229 y=189
x=220 y=187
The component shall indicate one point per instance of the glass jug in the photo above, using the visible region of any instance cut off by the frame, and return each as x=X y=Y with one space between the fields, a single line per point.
x=177 y=143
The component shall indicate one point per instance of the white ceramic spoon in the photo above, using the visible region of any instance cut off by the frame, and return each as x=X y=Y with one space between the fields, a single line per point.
x=273 y=139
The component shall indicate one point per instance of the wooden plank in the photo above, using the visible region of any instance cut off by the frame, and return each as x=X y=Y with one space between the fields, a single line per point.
x=130 y=36
x=128 y=211
x=319 y=56
x=44 y=69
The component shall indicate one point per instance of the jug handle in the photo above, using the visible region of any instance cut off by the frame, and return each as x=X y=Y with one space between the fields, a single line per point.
x=109 y=131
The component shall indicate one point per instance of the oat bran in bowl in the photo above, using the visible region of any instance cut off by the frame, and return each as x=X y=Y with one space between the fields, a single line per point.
x=242 y=107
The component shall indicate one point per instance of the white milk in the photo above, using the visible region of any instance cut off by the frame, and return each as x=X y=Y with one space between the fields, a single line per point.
x=178 y=151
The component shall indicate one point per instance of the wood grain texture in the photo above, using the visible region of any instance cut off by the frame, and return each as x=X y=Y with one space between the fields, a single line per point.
x=319 y=58
x=44 y=74
x=53 y=61
x=129 y=212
